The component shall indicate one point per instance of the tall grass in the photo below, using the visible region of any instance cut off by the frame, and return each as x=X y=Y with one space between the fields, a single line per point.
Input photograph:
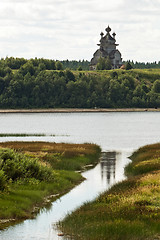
x=27 y=135
x=130 y=210
x=59 y=156
x=22 y=135
x=71 y=161
x=28 y=173
x=21 y=198
x=70 y=149
x=145 y=160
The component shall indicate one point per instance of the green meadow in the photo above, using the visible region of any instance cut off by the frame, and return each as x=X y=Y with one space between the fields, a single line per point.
x=34 y=173
x=130 y=210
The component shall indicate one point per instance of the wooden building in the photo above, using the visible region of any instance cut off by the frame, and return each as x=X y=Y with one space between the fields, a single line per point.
x=107 y=48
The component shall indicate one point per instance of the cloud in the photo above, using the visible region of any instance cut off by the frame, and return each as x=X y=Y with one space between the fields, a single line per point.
x=69 y=29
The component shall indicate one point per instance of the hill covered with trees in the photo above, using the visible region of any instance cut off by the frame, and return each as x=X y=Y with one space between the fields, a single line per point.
x=16 y=63
x=41 y=83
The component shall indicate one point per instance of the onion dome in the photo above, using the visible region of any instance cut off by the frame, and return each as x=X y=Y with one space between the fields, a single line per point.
x=114 y=34
x=102 y=34
x=108 y=29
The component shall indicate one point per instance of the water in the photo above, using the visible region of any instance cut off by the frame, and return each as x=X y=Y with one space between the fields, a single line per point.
x=109 y=130
x=118 y=134
x=102 y=177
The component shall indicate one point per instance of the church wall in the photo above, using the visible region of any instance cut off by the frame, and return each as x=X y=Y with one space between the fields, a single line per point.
x=117 y=59
x=107 y=48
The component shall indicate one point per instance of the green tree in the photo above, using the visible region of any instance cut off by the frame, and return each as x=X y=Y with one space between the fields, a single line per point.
x=156 y=86
x=2 y=85
x=59 y=65
x=115 y=92
x=108 y=64
x=104 y=64
x=27 y=67
x=69 y=75
x=101 y=64
x=41 y=67
x=79 y=68
x=128 y=66
x=114 y=74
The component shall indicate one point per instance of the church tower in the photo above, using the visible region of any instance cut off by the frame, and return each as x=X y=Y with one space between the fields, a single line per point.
x=107 y=48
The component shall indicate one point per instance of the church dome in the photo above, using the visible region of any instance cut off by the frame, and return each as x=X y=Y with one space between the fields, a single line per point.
x=108 y=29
x=107 y=48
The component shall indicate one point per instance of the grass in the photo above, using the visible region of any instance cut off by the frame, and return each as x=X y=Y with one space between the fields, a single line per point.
x=21 y=135
x=144 y=73
x=145 y=160
x=28 y=192
x=129 y=210
x=27 y=135
x=22 y=198
x=75 y=163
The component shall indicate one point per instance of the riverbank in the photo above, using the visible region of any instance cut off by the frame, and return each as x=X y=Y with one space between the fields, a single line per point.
x=130 y=210
x=32 y=174
x=79 y=110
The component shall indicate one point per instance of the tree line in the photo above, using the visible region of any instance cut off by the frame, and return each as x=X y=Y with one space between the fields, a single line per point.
x=44 y=64
x=49 y=64
x=34 y=85
x=143 y=65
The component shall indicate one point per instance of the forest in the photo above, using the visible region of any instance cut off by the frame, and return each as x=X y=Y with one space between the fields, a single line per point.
x=43 y=83
x=49 y=64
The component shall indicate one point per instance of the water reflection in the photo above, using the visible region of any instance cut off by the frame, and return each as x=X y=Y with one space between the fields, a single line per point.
x=108 y=166
x=106 y=173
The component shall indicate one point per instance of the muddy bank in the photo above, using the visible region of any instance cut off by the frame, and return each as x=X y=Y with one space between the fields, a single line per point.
x=79 y=110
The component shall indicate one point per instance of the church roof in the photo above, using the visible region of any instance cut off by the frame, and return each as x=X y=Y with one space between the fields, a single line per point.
x=107 y=48
x=109 y=37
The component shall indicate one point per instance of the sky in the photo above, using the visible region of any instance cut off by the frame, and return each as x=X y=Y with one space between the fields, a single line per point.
x=70 y=29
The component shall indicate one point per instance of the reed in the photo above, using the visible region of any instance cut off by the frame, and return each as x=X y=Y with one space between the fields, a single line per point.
x=25 y=135
x=130 y=210
x=144 y=160
x=74 y=149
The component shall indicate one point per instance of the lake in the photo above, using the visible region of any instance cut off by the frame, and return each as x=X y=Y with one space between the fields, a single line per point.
x=118 y=134
x=116 y=131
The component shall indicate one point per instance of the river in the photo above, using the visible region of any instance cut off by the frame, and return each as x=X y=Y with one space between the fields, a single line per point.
x=118 y=134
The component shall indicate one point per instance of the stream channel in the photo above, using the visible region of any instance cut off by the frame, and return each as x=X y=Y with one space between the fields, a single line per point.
x=118 y=134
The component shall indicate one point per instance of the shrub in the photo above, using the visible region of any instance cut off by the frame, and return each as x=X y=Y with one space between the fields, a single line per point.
x=19 y=166
x=3 y=180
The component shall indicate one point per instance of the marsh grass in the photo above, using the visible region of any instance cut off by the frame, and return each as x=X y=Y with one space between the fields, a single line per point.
x=74 y=163
x=21 y=198
x=32 y=174
x=28 y=135
x=146 y=159
x=130 y=210
x=58 y=155
x=70 y=149
x=21 y=135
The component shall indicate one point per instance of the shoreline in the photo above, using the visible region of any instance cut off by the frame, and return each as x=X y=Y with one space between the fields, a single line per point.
x=43 y=195
x=79 y=110
x=129 y=208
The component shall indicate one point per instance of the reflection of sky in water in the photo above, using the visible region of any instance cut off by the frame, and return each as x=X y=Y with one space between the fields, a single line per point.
x=114 y=132
x=42 y=228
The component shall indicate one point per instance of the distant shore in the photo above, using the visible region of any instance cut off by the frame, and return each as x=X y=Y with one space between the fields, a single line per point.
x=79 y=110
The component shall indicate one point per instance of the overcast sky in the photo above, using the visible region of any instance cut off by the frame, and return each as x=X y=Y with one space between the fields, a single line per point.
x=70 y=29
